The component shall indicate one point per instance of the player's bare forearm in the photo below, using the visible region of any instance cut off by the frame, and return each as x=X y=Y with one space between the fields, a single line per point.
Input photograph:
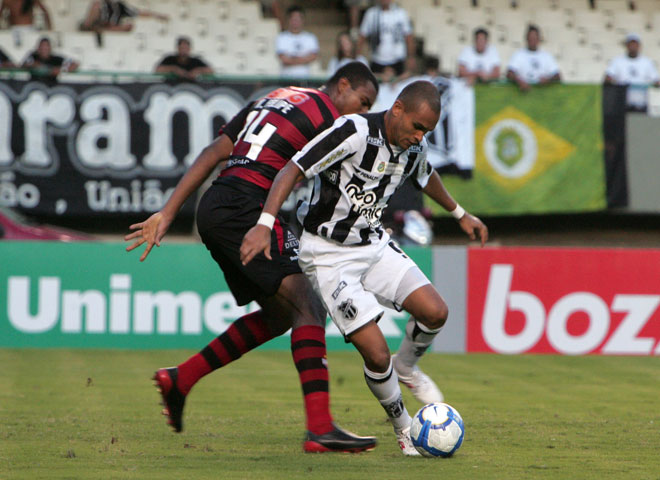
x=257 y=239
x=152 y=230
x=437 y=191
x=470 y=224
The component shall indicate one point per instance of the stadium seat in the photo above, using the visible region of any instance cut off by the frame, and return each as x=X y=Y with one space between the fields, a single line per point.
x=626 y=21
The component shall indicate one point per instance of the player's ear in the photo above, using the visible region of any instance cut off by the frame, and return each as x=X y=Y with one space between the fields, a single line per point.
x=343 y=85
x=397 y=108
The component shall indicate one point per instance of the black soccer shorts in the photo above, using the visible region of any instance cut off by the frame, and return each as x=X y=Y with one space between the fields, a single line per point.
x=224 y=216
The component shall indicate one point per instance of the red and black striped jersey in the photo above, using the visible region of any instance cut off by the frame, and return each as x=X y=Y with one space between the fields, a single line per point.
x=271 y=130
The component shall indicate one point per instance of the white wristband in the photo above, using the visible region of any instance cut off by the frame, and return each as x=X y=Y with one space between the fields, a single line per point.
x=458 y=212
x=267 y=220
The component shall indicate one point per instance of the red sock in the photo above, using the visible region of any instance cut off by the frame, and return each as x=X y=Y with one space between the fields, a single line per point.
x=245 y=334
x=309 y=355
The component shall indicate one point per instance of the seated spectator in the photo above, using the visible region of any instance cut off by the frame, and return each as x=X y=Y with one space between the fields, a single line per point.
x=5 y=61
x=346 y=53
x=182 y=64
x=388 y=29
x=296 y=48
x=635 y=70
x=21 y=13
x=531 y=65
x=44 y=66
x=109 y=15
x=481 y=62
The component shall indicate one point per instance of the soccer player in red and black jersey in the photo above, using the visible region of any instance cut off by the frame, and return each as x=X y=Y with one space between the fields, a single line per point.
x=256 y=144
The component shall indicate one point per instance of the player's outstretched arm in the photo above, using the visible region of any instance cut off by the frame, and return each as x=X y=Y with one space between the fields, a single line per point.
x=153 y=229
x=257 y=239
x=470 y=224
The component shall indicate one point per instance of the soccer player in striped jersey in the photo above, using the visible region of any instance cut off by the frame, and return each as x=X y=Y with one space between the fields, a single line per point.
x=256 y=144
x=351 y=261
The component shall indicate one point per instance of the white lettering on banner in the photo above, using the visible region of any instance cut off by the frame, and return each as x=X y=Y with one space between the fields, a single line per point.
x=18 y=304
x=159 y=115
x=115 y=130
x=103 y=197
x=37 y=112
x=623 y=340
x=25 y=195
x=161 y=312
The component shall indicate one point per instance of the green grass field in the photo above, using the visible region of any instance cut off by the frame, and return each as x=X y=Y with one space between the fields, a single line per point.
x=94 y=414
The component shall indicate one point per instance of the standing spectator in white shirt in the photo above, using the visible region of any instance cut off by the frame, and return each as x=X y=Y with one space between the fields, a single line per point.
x=390 y=35
x=633 y=68
x=481 y=62
x=296 y=48
x=532 y=65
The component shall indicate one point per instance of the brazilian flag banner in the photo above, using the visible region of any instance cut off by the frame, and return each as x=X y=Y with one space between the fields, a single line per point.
x=536 y=152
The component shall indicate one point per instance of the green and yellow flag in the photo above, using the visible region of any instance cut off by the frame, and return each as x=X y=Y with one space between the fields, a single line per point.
x=535 y=152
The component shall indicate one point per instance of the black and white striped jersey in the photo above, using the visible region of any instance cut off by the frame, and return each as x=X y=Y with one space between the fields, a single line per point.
x=356 y=171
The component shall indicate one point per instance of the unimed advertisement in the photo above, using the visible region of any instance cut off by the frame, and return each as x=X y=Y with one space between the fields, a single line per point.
x=96 y=295
x=568 y=301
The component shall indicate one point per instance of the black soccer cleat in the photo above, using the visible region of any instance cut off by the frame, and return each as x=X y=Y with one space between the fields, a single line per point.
x=337 y=440
x=173 y=399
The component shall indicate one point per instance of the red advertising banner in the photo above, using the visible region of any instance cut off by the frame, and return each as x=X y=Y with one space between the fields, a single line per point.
x=561 y=300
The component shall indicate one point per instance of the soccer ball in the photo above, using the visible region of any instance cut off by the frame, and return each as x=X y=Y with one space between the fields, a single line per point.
x=437 y=430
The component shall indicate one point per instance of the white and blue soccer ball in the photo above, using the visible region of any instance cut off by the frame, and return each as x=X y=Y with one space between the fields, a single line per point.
x=437 y=430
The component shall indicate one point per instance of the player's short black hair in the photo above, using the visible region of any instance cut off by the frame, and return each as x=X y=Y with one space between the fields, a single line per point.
x=357 y=74
x=419 y=92
x=481 y=30
x=183 y=39
x=294 y=9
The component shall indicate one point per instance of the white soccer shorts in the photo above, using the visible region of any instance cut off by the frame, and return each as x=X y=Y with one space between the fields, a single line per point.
x=355 y=282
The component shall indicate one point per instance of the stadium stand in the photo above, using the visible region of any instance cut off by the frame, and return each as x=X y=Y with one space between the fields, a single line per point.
x=235 y=38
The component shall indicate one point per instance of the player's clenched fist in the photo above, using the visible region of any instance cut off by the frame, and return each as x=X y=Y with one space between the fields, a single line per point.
x=255 y=241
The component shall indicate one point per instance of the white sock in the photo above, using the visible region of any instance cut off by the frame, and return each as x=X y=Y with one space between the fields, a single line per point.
x=385 y=387
x=417 y=340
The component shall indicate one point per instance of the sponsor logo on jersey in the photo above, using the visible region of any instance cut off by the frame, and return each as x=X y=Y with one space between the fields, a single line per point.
x=364 y=203
x=339 y=288
x=377 y=141
x=238 y=161
x=415 y=149
x=331 y=175
x=366 y=175
x=332 y=158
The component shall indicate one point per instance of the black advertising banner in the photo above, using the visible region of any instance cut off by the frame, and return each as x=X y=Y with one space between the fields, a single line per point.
x=99 y=152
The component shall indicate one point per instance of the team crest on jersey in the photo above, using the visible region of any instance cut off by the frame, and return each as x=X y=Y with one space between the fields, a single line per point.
x=377 y=141
x=349 y=310
x=381 y=167
x=415 y=149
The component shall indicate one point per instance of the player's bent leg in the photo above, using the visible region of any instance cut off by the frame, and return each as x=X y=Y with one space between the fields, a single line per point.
x=296 y=300
x=383 y=382
x=429 y=314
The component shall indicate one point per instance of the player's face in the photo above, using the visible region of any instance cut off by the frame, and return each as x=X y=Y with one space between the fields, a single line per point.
x=355 y=100
x=410 y=127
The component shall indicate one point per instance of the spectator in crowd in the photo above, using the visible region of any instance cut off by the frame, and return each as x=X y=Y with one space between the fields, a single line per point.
x=532 y=65
x=182 y=64
x=5 y=61
x=296 y=48
x=480 y=62
x=109 y=15
x=389 y=32
x=346 y=53
x=44 y=66
x=21 y=13
x=635 y=70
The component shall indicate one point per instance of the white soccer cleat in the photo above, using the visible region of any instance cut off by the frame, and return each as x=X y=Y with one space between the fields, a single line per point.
x=405 y=443
x=422 y=387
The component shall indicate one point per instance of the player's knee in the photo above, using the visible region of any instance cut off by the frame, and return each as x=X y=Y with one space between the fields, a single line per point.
x=378 y=361
x=435 y=317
